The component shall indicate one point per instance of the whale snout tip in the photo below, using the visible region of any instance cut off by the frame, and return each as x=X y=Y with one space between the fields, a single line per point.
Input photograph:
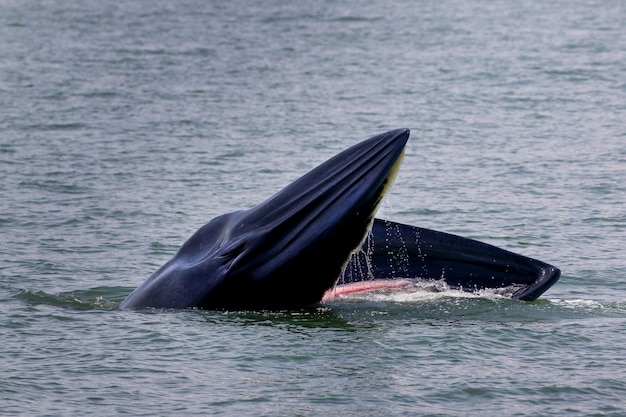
x=398 y=137
x=400 y=134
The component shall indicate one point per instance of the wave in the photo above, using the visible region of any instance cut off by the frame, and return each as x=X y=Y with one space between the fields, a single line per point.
x=101 y=298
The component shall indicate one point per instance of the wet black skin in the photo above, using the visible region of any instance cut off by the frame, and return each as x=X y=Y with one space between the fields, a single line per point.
x=287 y=251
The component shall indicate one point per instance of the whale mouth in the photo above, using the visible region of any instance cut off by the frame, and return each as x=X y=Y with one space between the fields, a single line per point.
x=291 y=249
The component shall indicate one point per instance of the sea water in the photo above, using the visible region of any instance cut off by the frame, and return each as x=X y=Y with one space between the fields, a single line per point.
x=125 y=126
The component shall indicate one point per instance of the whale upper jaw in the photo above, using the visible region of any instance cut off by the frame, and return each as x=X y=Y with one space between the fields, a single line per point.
x=287 y=251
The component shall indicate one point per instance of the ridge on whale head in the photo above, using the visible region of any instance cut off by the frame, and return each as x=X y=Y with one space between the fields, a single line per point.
x=287 y=251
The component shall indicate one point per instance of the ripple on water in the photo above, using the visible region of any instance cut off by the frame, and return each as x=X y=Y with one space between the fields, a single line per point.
x=125 y=128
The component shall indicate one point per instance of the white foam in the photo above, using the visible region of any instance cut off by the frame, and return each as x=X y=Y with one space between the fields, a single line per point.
x=578 y=302
x=423 y=291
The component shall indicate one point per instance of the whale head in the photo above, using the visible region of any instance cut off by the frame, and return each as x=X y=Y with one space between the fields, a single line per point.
x=287 y=251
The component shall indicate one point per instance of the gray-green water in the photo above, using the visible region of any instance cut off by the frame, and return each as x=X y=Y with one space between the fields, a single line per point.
x=124 y=126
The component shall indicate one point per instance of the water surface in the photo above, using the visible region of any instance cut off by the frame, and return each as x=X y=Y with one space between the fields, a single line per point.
x=126 y=126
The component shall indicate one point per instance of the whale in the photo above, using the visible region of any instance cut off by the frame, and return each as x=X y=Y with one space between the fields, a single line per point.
x=318 y=239
x=286 y=252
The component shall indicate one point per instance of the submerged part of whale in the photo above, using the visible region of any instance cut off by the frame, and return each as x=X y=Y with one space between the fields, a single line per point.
x=393 y=250
x=287 y=251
